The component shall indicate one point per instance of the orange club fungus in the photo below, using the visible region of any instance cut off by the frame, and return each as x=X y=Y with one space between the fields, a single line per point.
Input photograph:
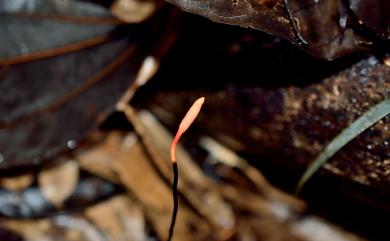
x=183 y=127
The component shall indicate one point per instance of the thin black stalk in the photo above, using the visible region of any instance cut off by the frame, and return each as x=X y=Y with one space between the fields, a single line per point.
x=175 y=200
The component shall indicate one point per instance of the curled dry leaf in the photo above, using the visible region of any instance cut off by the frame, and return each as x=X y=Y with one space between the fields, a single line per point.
x=18 y=183
x=30 y=230
x=153 y=193
x=133 y=11
x=313 y=229
x=228 y=157
x=98 y=158
x=134 y=170
x=120 y=218
x=59 y=182
x=61 y=228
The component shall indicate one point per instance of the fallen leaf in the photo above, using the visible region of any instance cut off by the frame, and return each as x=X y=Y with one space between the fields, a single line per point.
x=133 y=11
x=18 y=183
x=59 y=182
x=120 y=218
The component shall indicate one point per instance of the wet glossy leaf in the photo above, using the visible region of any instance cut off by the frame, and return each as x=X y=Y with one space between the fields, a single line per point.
x=36 y=25
x=53 y=103
x=53 y=7
x=54 y=97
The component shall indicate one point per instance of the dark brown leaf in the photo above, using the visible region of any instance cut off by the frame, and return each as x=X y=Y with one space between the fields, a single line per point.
x=53 y=103
x=322 y=28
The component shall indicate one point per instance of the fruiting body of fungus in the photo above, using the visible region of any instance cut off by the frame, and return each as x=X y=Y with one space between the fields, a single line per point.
x=184 y=125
